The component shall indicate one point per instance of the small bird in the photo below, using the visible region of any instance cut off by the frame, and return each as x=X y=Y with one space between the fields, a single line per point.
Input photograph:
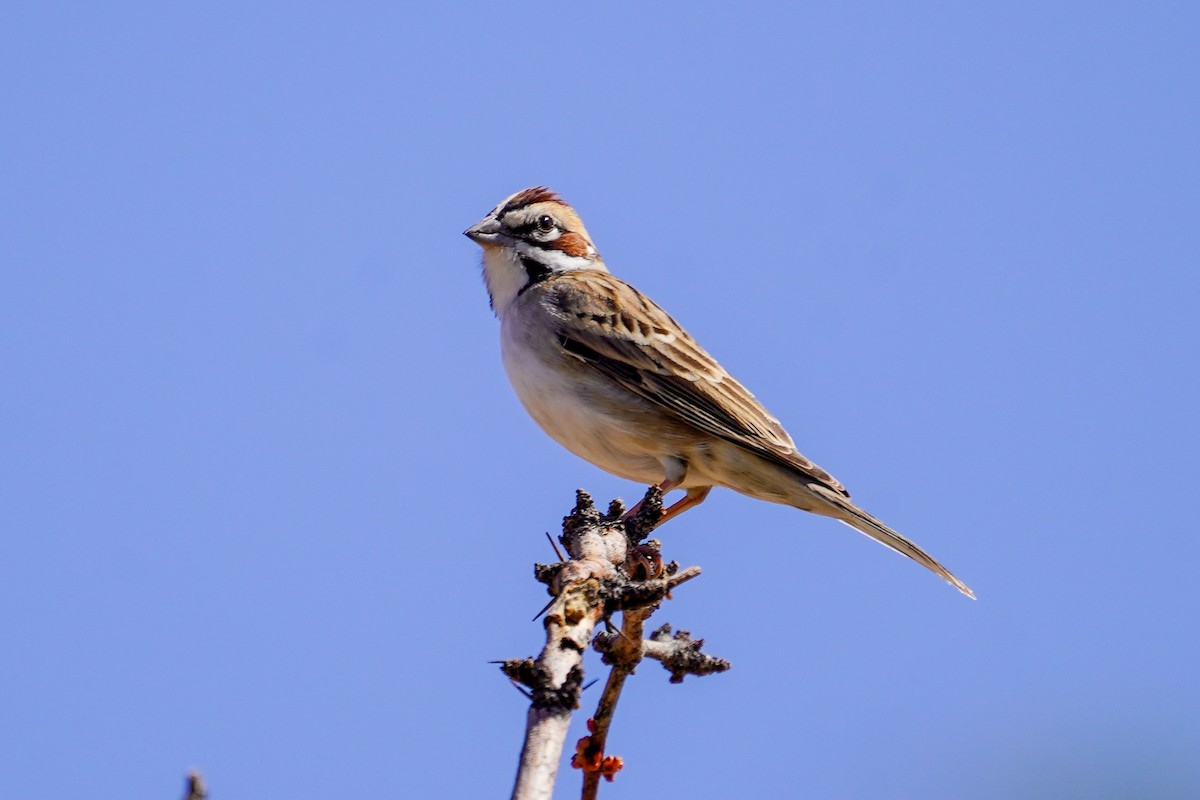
x=613 y=378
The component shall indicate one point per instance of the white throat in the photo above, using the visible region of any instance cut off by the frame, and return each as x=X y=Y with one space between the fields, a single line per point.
x=504 y=276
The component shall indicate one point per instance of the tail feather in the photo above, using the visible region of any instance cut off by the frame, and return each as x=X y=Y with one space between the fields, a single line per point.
x=845 y=511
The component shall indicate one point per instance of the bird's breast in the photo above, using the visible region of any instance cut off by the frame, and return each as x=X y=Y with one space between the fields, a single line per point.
x=579 y=408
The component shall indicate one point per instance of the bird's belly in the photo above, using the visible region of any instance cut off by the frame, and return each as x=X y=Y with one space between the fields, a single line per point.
x=585 y=414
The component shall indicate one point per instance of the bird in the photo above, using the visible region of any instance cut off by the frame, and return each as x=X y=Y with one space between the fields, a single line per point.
x=613 y=378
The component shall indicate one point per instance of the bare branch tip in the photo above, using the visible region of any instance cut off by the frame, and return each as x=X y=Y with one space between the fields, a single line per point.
x=195 y=788
x=649 y=513
x=681 y=655
x=616 y=510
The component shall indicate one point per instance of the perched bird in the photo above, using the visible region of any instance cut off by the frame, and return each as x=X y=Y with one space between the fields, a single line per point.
x=616 y=380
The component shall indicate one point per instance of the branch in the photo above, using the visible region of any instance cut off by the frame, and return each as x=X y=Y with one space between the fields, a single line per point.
x=624 y=650
x=195 y=788
x=680 y=654
x=610 y=567
x=595 y=545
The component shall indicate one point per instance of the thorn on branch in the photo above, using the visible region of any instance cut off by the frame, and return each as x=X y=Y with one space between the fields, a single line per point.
x=544 y=609
x=554 y=546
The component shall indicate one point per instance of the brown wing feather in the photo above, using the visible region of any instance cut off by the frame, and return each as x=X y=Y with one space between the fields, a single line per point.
x=648 y=353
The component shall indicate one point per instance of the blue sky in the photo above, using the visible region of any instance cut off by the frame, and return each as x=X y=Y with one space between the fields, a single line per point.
x=269 y=505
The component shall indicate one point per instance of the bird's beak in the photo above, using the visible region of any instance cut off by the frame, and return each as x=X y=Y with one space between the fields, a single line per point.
x=487 y=231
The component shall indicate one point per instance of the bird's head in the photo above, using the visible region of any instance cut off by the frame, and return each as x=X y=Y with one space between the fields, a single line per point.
x=527 y=238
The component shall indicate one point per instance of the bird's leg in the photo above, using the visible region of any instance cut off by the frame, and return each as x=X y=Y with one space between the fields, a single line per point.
x=676 y=470
x=694 y=497
x=663 y=487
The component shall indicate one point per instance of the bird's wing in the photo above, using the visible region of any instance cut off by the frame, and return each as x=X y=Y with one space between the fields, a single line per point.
x=624 y=335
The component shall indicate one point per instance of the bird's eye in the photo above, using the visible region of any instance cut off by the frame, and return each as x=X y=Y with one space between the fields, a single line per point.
x=545 y=222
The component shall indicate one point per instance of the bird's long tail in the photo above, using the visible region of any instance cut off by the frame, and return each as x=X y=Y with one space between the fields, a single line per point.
x=842 y=509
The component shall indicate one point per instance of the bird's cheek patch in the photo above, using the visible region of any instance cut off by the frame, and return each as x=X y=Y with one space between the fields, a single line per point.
x=572 y=244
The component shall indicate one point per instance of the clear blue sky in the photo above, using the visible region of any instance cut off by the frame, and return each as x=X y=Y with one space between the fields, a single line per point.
x=269 y=505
